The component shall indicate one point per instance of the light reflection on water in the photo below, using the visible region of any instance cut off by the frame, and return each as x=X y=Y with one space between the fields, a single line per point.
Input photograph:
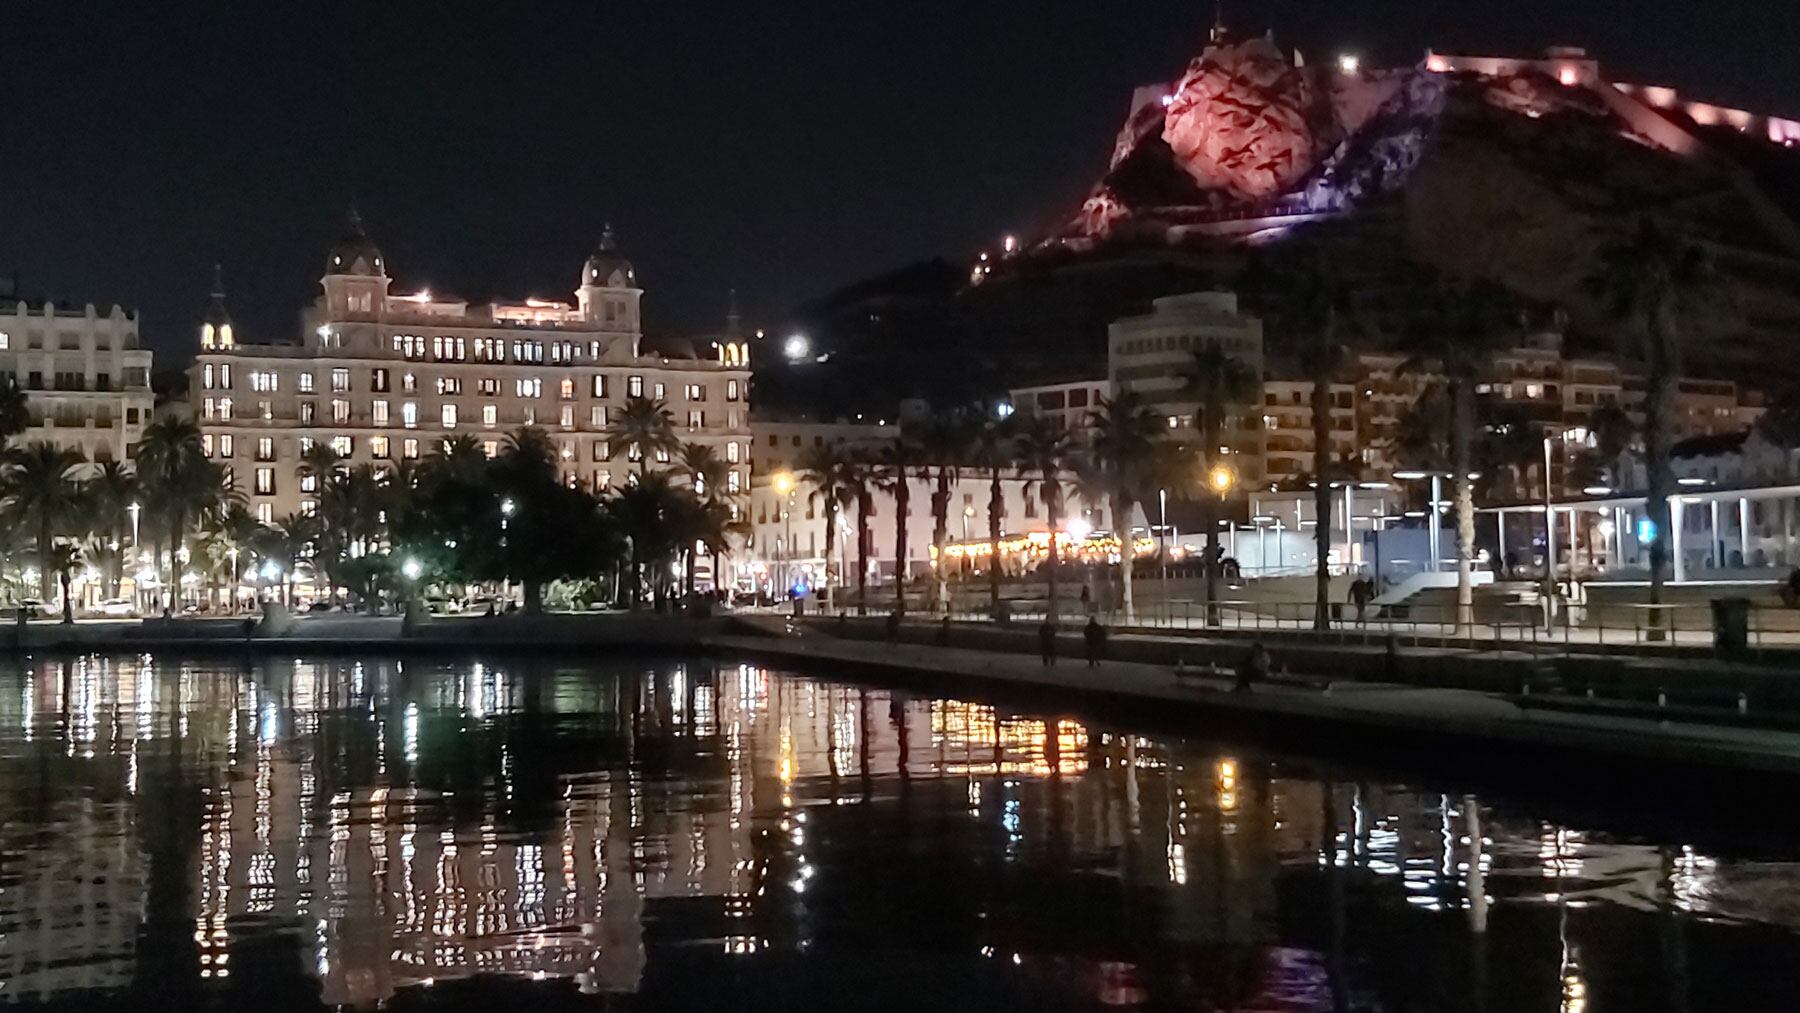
x=346 y=832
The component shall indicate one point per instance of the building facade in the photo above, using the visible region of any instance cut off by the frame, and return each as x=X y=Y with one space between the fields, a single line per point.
x=1151 y=355
x=1071 y=405
x=381 y=377
x=85 y=378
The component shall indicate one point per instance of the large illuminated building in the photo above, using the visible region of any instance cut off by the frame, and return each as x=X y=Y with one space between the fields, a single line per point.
x=383 y=377
x=85 y=377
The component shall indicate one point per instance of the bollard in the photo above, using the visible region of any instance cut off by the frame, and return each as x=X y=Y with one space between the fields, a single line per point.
x=1590 y=694
x=1662 y=699
x=1743 y=705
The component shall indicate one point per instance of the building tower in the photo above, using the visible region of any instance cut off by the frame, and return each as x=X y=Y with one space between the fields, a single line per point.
x=356 y=280
x=215 y=332
x=608 y=294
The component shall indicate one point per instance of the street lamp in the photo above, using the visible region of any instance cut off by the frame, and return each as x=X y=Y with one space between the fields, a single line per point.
x=135 y=508
x=412 y=569
x=1221 y=480
x=784 y=486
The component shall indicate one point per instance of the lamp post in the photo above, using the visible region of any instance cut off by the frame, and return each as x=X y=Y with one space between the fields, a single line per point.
x=507 y=506
x=1162 y=545
x=1220 y=479
x=784 y=486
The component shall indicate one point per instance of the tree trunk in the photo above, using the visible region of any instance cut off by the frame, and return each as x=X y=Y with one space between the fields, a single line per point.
x=1052 y=513
x=1462 y=435
x=68 y=603
x=830 y=546
x=902 y=503
x=636 y=575
x=1209 y=432
x=996 y=512
x=1658 y=404
x=534 y=597
x=44 y=545
x=1321 y=435
x=862 y=554
x=1121 y=510
x=177 y=526
x=940 y=532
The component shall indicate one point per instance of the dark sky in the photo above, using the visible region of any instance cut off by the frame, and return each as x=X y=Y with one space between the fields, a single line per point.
x=782 y=148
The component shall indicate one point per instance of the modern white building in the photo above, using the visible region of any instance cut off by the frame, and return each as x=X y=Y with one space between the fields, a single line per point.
x=1070 y=405
x=1152 y=355
x=86 y=380
x=382 y=377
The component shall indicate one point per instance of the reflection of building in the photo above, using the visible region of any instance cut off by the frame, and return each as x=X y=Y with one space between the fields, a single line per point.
x=382 y=377
x=86 y=379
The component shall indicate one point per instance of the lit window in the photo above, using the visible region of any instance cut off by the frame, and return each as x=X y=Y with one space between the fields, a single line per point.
x=378 y=381
x=634 y=387
x=490 y=415
x=263 y=381
x=696 y=392
x=490 y=447
x=409 y=414
x=599 y=385
x=731 y=453
x=378 y=412
x=305 y=382
x=533 y=387
x=343 y=446
x=206 y=444
x=733 y=481
x=225 y=408
x=265 y=481
x=567 y=418
x=226 y=442
x=309 y=507
x=696 y=419
x=487 y=385
x=265 y=448
x=661 y=391
x=662 y=455
x=225 y=375
x=597 y=416
x=265 y=410
x=340 y=380
x=568 y=451
x=566 y=388
x=448 y=415
x=340 y=411
x=265 y=513
x=206 y=377
x=731 y=390
x=309 y=482
x=378 y=447
x=409 y=449
x=601 y=451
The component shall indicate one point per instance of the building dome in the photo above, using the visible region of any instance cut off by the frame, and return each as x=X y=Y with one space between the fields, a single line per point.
x=606 y=267
x=356 y=253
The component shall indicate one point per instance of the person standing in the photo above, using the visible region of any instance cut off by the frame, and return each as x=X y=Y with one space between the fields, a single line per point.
x=1095 y=636
x=1047 y=643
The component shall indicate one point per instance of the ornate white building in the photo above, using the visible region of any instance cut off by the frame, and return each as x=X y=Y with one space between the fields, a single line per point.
x=383 y=377
x=86 y=381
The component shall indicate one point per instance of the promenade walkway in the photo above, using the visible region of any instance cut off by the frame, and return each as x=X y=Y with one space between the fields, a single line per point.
x=1441 y=714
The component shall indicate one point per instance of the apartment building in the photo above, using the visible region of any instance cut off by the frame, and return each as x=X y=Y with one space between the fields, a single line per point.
x=1287 y=421
x=1069 y=405
x=1153 y=353
x=86 y=380
x=382 y=377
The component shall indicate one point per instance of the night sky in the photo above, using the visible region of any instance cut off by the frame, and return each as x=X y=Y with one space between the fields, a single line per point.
x=781 y=148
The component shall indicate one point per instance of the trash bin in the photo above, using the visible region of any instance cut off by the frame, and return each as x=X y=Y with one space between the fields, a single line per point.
x=1731 y=624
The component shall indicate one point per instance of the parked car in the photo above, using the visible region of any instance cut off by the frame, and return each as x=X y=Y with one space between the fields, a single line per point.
x=117 y=607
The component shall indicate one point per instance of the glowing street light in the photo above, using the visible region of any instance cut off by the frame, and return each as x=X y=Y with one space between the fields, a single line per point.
x=412 y=569
x=784 y=482
x=1349 y=63
x=796 y=347
x=1221 y=479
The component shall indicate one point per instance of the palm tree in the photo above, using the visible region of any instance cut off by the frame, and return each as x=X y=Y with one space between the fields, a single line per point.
x=946 y=439
x=459 y=457
x=1656 y=283
x=42 y=493
x=62 y=560
x=643 y=427
x=1124 y=450
x=894 y=474
x=1221 y=385
x=236 y=530
x=111 y=491
x=15 y=410
x=1044 y=449
x=647 y=512
x=826 y=469
x=992 y=449
x=709 y=476
x=1462 y=324
x=178 y=481
x=860 y=477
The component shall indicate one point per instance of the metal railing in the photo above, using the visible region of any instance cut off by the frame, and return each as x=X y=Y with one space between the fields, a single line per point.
x=1496 y=626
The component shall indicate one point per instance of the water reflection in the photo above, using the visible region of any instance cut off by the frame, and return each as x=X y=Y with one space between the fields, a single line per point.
x=340 y=832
